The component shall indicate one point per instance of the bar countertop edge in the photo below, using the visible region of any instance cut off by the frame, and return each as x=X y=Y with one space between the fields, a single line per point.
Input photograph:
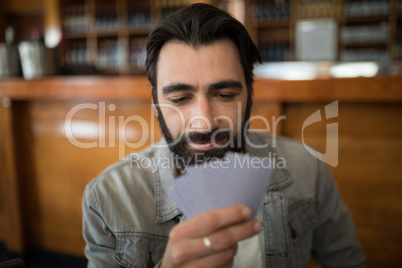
x=360 y=89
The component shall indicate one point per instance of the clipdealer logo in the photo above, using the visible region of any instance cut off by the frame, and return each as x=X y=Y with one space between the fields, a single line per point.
x=147 y=130
x=331 y=155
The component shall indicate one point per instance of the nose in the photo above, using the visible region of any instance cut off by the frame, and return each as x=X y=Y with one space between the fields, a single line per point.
x=202 y=116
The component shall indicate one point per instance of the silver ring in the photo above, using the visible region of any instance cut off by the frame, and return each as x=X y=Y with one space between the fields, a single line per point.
x=208 y=244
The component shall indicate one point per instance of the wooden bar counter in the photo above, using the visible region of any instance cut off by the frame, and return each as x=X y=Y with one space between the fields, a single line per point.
x=56 y=134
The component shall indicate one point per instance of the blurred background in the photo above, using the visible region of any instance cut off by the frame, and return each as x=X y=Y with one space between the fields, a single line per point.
x=72 y=72
x=108 y=37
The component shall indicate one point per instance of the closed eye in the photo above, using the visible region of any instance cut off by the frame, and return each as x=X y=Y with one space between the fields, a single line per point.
x=179 y=100
x=226 y=96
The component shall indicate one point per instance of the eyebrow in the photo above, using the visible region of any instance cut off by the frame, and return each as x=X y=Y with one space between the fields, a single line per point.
x=225 y=84
x=215 y=86
x=177 y=87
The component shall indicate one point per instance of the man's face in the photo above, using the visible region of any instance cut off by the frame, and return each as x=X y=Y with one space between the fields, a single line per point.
x=202 y=99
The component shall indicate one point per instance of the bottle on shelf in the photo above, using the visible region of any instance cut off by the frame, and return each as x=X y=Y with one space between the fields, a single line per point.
x=106 y=22
x=108 y=54
x=366 y=8
x=139 y=19
x=77 y=54
x=75 y=19
x=366 y=34
x=274 y=49
x=138 y=53
x=364 y=55
x=267 y=11
x=9 y=61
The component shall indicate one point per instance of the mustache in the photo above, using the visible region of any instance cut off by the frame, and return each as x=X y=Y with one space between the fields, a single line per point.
x=214 y=135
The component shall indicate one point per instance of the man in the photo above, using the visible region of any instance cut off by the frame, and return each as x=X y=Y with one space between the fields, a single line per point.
x=200 y=63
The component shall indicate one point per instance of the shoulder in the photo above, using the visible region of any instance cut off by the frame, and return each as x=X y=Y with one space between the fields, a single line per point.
x=293 y=152
x=125 y=177
x=292 y=159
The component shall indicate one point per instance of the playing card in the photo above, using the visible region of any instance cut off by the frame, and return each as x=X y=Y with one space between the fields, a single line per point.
x=236 y=179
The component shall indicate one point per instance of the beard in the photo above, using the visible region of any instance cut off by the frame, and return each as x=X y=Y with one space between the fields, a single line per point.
x=224 y=139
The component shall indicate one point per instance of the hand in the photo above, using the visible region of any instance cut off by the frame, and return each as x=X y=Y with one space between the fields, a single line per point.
x=224 y=227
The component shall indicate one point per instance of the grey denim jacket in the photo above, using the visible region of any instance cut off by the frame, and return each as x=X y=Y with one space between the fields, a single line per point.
x=127 y=212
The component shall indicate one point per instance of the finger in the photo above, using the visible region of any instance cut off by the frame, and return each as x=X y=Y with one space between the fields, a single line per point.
x=219 y=259
x=190 y=250
x=222 y=240
x=210 y=221
x=227 y=237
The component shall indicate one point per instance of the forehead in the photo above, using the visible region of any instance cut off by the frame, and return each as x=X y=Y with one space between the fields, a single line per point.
x=181 y=63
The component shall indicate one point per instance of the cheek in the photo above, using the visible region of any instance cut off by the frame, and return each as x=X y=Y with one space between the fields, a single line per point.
x=233 y=116
x=174 y=119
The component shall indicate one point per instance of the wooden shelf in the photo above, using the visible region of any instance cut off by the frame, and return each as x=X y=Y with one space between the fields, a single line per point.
x=273 y=23
x=119 y=15
x=107 y=34
x=366 y=19
x=368 y=44
x=75 y=36
x=142 y=30
x=261 y=30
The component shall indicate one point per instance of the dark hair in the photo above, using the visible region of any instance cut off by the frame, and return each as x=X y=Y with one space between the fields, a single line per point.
x=197 y=25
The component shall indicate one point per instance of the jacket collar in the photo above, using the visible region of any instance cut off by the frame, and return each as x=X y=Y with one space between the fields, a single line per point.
x=165 y=175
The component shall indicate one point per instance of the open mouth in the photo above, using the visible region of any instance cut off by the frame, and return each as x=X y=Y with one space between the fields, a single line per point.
x=205 y=145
